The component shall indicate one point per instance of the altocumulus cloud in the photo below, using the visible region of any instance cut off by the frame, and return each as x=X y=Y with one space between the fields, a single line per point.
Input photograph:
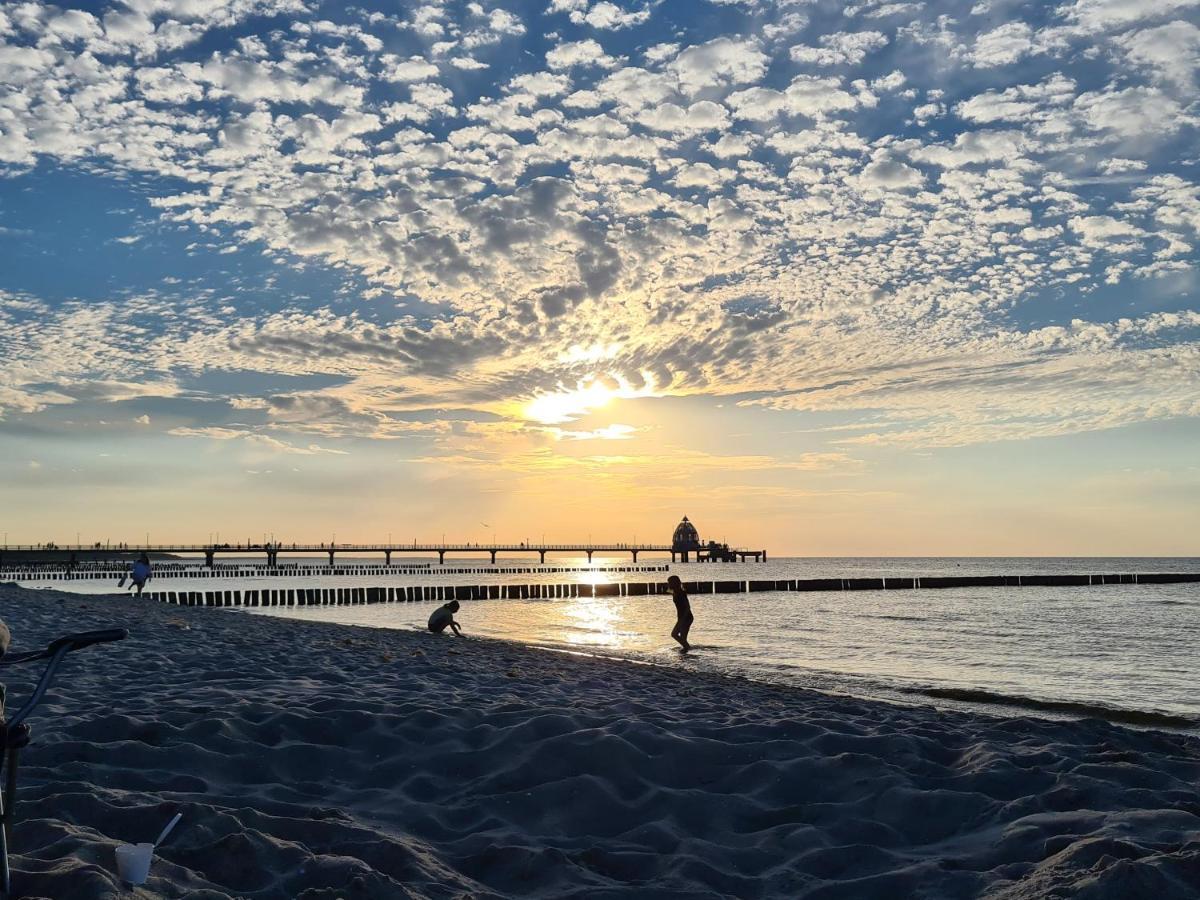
x=899 y=187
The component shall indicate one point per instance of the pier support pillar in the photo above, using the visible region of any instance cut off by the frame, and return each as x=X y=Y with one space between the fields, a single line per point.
x=208 y=558
x=589 y=553
x=441 y=557
x=387 y=557
x=542 y=556
x=272 y=558
x=493 y=557
x=331 y=559
x=634 y=555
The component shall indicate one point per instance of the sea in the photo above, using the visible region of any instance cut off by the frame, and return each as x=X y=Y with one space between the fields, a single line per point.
x=1126 y=653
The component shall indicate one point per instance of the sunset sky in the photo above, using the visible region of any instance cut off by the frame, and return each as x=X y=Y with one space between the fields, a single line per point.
x=831 y=279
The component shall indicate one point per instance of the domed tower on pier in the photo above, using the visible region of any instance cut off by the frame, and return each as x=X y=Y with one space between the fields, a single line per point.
x=686 y=539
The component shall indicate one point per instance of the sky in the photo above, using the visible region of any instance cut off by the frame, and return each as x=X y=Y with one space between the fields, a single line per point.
x=912 y=278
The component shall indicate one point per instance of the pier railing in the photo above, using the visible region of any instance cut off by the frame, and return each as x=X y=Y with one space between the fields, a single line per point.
x=272 y=550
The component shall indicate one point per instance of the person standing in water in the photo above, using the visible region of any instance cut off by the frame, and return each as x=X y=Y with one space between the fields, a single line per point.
x=683 y=612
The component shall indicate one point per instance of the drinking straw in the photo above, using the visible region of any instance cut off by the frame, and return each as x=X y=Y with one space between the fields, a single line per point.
x=163 y=835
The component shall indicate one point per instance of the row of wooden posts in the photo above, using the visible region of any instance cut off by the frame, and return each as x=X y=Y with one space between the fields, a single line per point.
x=442 y=593
x=307 y=572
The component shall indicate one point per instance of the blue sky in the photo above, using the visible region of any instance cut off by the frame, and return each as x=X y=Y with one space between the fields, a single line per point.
x=835 y=278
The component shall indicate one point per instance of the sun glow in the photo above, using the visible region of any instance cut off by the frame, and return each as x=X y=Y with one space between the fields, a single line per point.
x=557 y=407
x=565 y=406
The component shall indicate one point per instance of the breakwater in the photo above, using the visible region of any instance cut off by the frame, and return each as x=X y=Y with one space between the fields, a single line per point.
x=338 y=596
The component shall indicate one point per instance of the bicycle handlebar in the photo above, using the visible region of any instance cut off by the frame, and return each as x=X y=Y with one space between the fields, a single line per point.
x=66 y=643
x=55 y=652
x=87 y=638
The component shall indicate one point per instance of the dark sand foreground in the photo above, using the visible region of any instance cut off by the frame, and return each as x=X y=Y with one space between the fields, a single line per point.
x=322 y=761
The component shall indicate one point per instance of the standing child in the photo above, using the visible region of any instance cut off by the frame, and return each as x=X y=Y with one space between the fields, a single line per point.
x=683 y=612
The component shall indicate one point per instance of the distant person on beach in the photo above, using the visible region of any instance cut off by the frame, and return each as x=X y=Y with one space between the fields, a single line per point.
x=140 y=574
x=683 y=612
x=443 y=616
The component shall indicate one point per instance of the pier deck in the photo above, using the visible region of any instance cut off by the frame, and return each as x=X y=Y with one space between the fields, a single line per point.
x=59 y=553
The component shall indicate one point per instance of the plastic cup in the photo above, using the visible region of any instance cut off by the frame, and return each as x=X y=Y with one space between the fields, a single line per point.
x=133 y=862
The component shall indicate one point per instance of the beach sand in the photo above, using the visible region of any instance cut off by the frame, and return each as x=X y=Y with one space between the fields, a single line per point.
x=320 y=761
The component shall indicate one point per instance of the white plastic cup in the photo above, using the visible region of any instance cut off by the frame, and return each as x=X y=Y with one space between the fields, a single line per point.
x=133 y=862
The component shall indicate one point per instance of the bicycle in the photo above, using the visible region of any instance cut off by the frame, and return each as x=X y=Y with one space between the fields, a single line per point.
x=15 y=734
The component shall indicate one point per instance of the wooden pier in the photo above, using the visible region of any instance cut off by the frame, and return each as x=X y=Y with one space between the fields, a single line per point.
x=210 y=552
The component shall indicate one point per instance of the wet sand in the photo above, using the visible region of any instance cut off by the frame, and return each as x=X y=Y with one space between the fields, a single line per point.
x=313 y=760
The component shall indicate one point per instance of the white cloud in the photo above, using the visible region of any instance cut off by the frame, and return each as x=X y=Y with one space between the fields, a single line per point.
x=974 y=147
x=603 y=15
x=702 y=175
x=702 y=116
x=842 y=48
x=721 y=61
x=1119 y=166
x=807 y=95
x=1111 y=13
x=1024 y=102
x=660 y=53
x=579 y=53
x=1171 y=50
x=1003 y=45
x=1132 y=112
x=415 y=68
x=1104 y=231
x=887 y=173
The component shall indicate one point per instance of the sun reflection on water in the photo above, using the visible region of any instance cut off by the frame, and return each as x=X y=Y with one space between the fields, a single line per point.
x=594 y=622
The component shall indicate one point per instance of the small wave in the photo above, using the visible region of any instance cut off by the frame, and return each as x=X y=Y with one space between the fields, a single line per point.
x=1069 y=707
x=896 y=618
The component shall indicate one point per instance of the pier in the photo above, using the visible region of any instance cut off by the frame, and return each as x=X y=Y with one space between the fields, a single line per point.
x=59 y=553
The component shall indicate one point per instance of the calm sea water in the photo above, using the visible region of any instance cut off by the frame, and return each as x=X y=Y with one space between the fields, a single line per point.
x=1123 y=651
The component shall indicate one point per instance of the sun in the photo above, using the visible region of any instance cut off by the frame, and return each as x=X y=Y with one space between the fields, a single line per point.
x=566 y=406
x=588 y=395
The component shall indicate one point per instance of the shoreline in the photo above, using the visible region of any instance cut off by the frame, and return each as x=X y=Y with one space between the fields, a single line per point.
x=350 y=761
x=876 y=688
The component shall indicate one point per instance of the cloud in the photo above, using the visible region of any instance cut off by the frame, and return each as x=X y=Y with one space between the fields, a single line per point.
x=415 y=68
x=443 y=222
x=841 y=48
x=579 y=53
x=721 y=61
x=887 y=173
x=254 y=440
x=1002 y=46
x=602 y=15
x=1105 y=231
x=1131 y=112
x=1102 y=14
x=701 y=116
x=806 y=96
x=1172 y=51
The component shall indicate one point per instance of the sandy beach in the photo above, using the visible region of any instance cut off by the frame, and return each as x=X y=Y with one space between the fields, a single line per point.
x=322 y=761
